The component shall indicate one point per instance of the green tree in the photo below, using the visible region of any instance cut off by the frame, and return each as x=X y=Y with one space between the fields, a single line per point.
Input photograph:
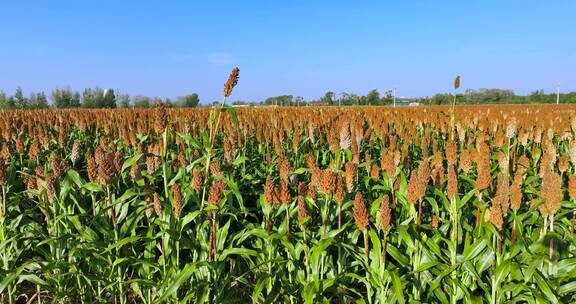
x=88 y=98
x=282 y=100
x=373 y=98
x=328 y=98
x=188 y=101
x=11 y=104
x=75 y=101
x=98 y=94
x=64 y=98
x=440 y=98
x=3 y=100
x=348 y=99
x=109 y=99
x=20 y=101
x=41 y=101
x=32 y=102
x=93 y=98
x=141 y=102
x=388 y=97
x=124 y=101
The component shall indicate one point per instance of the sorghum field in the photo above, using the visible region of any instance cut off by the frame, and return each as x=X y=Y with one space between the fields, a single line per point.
x=289 y=205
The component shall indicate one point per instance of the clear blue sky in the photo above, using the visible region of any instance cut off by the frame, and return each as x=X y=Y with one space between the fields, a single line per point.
x=304 y=48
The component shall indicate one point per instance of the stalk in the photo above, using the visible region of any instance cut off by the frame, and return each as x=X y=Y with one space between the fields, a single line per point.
x=4 y=253
x=494 y=283
x=415 y=254
x=513 y=233
x=454 y=246
x=306 y=263
x=117 y=251
x=324 y=223
x=339 y=248
x=573 y=222
x=3 y=203
x=384 y=246
x=366 y=244
x=288 y=220
x=419 y=221
x=215 y=239
x=478 y=210
x=551 y=245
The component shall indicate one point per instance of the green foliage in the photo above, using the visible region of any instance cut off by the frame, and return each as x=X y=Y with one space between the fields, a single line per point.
x=109 y=100
x=282 y=100
x=123 y=101
x=328 y=98
x=373 y=98
x=3 y=100
x=65 y=98
x=188 y=101
x=142 y=102
x=20 y=102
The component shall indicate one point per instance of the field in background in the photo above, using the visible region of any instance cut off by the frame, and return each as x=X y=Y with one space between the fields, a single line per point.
x=289 y=205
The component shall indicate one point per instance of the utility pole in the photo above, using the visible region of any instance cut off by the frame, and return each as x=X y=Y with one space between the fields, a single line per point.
x=394 y=94
x=558 y=94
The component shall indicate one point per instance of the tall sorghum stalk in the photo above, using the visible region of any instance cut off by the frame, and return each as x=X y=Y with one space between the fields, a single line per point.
x=362 y=222
x=452 y=114
x=5 y=262
x=494 y=283
x=213 y=131
x=228 y=88
x=302 y=222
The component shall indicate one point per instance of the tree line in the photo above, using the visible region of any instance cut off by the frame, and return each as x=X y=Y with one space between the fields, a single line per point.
x=496 y=96
x=89 y=98
x=108 y=98
x=373 y=97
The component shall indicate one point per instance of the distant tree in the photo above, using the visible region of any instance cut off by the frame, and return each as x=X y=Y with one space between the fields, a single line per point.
x=41 y=101
x=282 y=100
x=328 y=98
x=32 y=102
x=123 y=101
x=11 y=102
x=95 y=98
x=440 y=98
x=537 y=96
x=347 y=99
x=20 y=101
x=168 y=102
x=299 y=100
x=242 y=102
x=64 y=98
x=88 y=100
x=488 y=95
x=98 y=97
x=373 y=98
x=388 y=97
x=188 y=101
x=109 y=99
x=75 y=101
x=142 y=102
x=3 y=100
